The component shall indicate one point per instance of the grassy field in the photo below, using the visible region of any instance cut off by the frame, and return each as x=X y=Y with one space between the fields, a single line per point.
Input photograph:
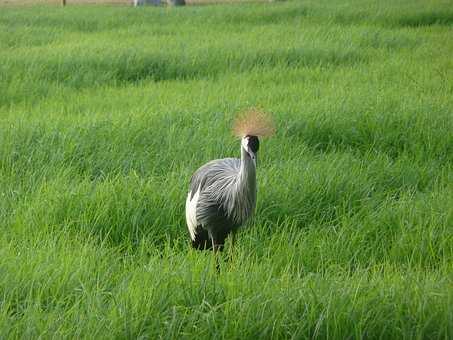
x=105 y=112
x=118 y=2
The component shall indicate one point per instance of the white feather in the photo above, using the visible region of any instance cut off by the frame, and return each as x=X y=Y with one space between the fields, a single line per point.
x=191 y=212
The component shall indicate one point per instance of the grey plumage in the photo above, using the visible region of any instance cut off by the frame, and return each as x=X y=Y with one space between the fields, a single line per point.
x=222 y=196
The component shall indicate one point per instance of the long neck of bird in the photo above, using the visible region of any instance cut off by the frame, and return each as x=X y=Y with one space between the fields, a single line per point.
x=247 y=174
x=244 y=195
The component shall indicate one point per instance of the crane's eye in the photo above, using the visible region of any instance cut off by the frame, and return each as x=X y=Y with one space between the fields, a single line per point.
x=254 y=144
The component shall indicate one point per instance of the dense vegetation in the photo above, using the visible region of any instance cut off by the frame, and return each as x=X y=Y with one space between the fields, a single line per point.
x=105 y=112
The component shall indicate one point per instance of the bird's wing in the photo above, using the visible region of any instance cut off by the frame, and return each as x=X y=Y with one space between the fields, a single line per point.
x=213 y=174
x=191 y=213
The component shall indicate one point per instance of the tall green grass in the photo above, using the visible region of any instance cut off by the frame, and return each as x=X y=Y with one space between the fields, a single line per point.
x=105 y=112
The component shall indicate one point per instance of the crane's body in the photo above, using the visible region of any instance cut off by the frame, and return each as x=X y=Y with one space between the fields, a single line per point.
x=222 y=196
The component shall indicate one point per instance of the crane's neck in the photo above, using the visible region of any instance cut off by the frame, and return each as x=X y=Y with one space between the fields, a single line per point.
x=248 y=167
x=246 y=190
x=243 y=194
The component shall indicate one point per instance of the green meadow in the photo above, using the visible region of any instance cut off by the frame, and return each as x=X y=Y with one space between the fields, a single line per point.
x=106 y=111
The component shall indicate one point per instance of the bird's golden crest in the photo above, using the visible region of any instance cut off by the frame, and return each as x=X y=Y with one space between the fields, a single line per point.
x=254 y=122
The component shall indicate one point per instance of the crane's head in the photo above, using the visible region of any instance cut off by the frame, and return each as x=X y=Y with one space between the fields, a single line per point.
x=250 y=125
x=251 y=145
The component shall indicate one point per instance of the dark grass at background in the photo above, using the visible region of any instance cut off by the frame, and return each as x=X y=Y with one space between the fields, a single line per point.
x=105 y=112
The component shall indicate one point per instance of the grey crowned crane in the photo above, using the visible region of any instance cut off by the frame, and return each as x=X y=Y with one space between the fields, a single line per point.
x=222 y=193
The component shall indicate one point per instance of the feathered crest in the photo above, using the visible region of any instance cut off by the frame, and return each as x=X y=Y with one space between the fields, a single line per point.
x=254 y=122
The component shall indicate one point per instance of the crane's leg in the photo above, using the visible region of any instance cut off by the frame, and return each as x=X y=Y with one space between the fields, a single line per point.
x=215 y=250
x=214 y=246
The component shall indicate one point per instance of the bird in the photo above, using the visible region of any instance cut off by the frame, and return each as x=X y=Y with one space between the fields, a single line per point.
x=222 y=193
